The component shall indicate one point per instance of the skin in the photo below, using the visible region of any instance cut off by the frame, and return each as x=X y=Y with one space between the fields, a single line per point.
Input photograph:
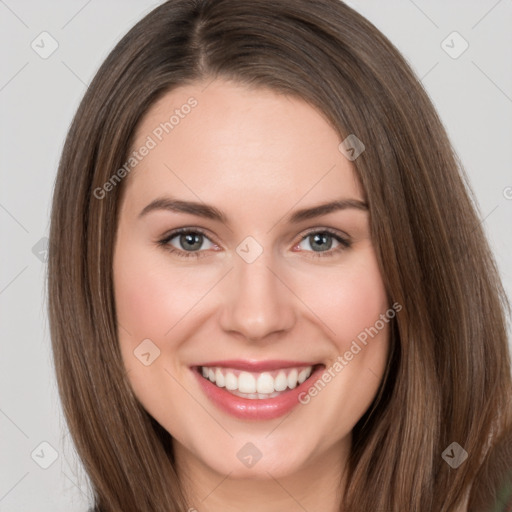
x=257 y=156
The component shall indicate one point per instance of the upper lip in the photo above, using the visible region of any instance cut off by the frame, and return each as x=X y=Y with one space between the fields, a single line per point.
x=257 y=366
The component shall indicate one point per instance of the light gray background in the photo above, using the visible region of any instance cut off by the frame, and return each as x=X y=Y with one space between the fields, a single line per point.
x=38 y=97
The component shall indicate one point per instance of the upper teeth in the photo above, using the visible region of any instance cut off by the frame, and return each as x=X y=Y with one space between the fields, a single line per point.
x=249 y=382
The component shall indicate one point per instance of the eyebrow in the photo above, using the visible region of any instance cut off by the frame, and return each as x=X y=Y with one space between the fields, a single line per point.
x=210 y=212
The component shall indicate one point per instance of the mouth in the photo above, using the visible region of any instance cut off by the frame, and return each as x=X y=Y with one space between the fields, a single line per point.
x=250 y=390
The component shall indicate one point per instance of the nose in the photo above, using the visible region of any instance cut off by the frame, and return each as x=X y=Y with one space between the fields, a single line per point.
x=258 y=305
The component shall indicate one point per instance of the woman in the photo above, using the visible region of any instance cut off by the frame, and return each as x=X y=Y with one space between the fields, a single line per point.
x=209 y=356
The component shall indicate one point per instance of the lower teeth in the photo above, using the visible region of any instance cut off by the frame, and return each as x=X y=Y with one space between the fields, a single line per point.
x=254 y=396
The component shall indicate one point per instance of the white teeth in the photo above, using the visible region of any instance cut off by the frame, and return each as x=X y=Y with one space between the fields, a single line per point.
x=255 y=396
x=231 y=381
x=265 y=383
x=219 y=378
x=246 y=383
x=303 y=375
x=257 y=385
x=281 y=382
x=292 y=378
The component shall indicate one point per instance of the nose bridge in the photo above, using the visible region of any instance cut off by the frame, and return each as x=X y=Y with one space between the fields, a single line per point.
x=257 y=302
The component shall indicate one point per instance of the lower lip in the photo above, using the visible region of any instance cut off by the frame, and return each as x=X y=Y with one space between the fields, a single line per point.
x=247 y=409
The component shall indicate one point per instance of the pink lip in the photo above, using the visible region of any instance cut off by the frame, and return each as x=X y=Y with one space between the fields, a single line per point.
x=256 y=366
x=246 y=409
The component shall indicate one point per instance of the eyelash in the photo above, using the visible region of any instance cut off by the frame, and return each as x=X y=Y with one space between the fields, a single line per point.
x=164 y=243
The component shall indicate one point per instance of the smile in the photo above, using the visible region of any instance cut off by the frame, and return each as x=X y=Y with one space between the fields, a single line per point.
x=256 y=385
x=256 y=391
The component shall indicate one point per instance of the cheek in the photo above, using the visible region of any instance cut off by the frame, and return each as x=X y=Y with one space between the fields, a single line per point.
x=150 y=299
x=351 y=303
x=348 y=299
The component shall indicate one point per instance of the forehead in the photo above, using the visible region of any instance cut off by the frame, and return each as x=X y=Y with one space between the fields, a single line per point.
x=228 y=143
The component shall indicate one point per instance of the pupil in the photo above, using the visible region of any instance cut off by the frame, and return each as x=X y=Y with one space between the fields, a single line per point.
x=191 y=240
x=322 y=238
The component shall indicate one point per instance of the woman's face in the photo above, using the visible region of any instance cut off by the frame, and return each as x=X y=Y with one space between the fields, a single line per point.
x=264 y=290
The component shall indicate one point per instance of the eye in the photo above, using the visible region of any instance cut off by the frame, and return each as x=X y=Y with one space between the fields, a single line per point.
x=321 y=243
x=189 y=242
x=186 y=242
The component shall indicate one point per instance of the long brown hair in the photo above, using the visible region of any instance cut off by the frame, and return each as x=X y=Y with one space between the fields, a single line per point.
x=448 y=376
